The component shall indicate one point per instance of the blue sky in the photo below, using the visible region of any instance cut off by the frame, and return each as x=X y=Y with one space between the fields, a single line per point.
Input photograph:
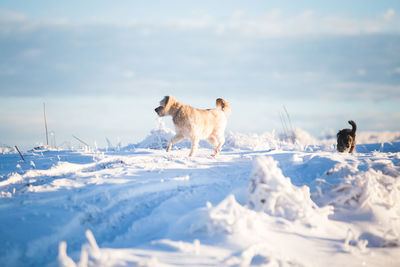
x=101 y=67
x=155 y=11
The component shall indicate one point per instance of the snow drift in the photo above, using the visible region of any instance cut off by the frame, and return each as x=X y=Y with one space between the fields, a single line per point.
x=263 y=201
x=274 y=194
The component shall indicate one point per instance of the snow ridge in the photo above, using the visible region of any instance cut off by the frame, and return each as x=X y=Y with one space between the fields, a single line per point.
x=263 y=201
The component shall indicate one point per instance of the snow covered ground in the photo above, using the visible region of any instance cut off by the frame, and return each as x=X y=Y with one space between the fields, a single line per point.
x=261 y=202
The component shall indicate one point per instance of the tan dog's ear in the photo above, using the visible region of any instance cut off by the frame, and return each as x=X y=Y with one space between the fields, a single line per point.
x=169 y=101
x=164 y=101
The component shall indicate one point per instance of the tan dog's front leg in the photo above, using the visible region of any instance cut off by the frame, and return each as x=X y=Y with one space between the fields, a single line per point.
x=177 y=138
x=195 y=143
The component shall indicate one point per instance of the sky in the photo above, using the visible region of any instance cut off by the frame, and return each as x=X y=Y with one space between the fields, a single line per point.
x=101 y=67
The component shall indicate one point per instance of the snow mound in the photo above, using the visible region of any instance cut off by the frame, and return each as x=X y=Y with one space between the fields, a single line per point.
x=4 y=149
x=377 y=195
x=299 y=136
x=270 y=191
x=377 y=137
x=92 y=255
x=298 y=140
x=160 y=137
x=228 y=217
x=157 y=139
x=264 y=141
x=241 y=224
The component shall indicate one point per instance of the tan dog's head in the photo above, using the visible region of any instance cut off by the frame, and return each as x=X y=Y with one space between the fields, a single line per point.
x=165 y=106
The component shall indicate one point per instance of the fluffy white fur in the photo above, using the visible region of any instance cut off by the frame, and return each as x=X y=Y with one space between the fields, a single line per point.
x=196 y=124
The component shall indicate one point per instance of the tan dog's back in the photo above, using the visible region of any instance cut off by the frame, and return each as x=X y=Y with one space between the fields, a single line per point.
x=200 y=122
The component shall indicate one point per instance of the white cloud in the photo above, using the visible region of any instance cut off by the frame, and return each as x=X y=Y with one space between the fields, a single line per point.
x=361 y=72
x=389 y=14
x=6 y=70
x=271 y=24
x=275 y=23
x=10 y=16
x=367 y=91
x=11 y=22
x=339 y=25
x=128 y=74
x=62 y=67
x=196 y=21
x=146 y=32
x=31 y=53
x=277 y=75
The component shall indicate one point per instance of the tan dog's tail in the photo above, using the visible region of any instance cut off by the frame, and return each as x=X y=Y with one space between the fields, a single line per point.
x=224 y=106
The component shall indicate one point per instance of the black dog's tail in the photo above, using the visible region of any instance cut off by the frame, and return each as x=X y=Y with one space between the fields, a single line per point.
x=354 y=125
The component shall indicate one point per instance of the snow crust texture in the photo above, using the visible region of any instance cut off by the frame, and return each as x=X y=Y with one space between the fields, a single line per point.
x=264 y=201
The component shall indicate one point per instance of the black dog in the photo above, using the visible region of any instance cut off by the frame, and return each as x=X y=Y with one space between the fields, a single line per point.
x=346 y=139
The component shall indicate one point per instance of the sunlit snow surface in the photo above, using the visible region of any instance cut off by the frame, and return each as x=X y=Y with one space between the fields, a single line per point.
x=261 y=202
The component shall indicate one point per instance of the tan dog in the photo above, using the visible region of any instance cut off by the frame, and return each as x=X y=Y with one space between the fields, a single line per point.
x=196 y=124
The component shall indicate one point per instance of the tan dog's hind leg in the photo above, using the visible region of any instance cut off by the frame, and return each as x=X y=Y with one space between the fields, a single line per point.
x=177 y=138
x=214 y=143
x=221 y=141
x=217 y=142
